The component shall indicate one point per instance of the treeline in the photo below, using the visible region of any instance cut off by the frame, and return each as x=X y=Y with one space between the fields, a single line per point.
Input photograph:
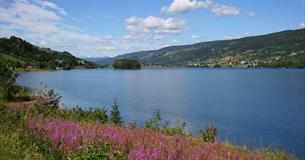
x=22 y=54
x=126 y=64
x=296 y=61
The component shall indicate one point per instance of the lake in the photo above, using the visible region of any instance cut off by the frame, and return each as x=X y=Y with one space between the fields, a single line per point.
x=252 y=107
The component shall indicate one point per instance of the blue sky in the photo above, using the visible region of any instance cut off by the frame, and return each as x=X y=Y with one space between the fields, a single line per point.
x=99 y=28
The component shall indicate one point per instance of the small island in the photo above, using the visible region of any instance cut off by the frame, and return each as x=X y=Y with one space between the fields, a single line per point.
x=126 y=64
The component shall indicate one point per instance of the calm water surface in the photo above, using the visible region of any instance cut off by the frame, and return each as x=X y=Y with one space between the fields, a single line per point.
x=252 y=107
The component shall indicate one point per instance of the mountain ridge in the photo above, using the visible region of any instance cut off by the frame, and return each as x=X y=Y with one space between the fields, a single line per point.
x=279 y=49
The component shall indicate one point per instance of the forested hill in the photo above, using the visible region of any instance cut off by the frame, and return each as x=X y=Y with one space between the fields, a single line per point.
x=281 y=49
x=21 y=54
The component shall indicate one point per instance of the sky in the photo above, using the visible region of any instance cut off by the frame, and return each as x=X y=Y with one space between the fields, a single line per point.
x=99 y=28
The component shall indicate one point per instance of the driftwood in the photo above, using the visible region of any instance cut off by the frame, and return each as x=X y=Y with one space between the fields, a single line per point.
x=47 y=101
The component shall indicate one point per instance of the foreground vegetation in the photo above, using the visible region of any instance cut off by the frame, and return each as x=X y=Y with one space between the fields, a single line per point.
x=41 y=132
x=35 y=127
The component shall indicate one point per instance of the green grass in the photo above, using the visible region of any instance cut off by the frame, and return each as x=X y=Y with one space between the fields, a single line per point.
x=5 y=149
x=10 y=58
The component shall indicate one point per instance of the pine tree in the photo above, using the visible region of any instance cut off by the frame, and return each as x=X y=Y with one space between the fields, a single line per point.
x=115 y=116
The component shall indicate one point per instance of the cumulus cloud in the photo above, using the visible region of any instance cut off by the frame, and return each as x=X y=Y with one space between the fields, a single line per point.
x=224 y=10
x=155 y=25
x=183 y=6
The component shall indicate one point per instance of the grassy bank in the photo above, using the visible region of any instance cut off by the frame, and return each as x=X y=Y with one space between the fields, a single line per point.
x=36 y=128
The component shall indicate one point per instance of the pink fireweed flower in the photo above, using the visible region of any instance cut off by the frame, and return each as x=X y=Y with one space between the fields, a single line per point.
x=135 y=143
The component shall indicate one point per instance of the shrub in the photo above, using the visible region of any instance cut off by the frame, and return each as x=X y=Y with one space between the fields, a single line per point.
x=155 y=122
x=209 y=134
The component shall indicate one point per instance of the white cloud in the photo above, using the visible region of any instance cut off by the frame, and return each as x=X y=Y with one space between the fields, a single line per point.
x=183 y=6
x=154 y=25
x=236 y=36
x=43 y=43
x=251 y=14
x=176 y=42
x=224 y=10
x=229 y=37
x=247 y=34
x=172 y=43
x=47 y=4
x=302 y=25
x=24 y=10
x=41 y=23
x=195 y=37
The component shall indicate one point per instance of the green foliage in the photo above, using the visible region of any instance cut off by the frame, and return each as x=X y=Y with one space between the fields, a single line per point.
x=94 y=115
x=126 y=64
x=3 y=113
x=209 y=134
x=115 y=116
x=7 y=79
x=97 y=152
x=177 y=129
x=17 y=143
x=22 y=54
x=155 y=122
x=270 y=153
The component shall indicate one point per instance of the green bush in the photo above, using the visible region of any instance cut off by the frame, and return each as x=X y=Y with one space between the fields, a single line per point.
x=7 y=80
x=155 y=122
x=209 y=134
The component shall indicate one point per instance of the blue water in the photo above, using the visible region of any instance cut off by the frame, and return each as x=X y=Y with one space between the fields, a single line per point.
x=252 y=107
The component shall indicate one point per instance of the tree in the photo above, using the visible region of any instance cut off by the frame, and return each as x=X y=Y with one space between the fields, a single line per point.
x=115 y=116
x=126 y=64
x=7 y=79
